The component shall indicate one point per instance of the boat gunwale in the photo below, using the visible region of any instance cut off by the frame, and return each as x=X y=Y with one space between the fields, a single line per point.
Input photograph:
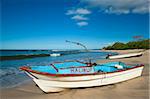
x=27 y=68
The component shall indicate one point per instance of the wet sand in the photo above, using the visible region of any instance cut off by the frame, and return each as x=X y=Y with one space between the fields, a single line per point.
x=137 y=88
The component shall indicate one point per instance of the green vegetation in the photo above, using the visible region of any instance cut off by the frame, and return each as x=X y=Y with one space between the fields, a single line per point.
x=142 y=44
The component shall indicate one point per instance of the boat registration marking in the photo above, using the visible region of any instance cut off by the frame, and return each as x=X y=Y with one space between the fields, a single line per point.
x=82 y=70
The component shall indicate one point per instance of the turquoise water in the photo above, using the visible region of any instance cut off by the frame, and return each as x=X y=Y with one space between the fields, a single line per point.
x=11 y=76
x=33 y=52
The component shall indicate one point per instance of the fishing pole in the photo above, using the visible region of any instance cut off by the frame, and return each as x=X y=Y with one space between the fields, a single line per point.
x=77 y=43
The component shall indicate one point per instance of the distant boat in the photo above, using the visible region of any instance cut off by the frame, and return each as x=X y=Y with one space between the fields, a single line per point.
x=55 y=54
x=60 y=76
x=55 y=50
x=125 y=55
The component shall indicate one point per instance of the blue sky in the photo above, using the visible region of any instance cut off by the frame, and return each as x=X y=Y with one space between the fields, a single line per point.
x=46 y=24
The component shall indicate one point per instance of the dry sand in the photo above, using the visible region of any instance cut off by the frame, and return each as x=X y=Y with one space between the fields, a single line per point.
x=137 y=88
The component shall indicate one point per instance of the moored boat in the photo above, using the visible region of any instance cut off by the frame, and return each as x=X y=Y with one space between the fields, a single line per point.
x=60 y=76
x=124 y=55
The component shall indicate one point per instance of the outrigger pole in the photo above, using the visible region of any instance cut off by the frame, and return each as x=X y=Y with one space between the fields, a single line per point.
x=77 y=43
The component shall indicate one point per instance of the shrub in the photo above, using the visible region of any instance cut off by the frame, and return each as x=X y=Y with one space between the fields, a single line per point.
x=142 y=44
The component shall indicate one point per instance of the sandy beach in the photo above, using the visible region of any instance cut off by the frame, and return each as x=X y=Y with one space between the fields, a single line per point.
x=137 y=88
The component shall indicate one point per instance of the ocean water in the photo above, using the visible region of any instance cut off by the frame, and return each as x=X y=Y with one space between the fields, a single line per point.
x=33 y=52
x=11 y=76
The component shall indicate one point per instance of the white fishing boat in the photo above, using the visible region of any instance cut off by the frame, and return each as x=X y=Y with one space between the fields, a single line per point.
x=60 y=76
x=124 y=55
x=55 y=54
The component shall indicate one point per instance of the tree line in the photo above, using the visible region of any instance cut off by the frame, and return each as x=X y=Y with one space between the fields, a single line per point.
x=141 y=44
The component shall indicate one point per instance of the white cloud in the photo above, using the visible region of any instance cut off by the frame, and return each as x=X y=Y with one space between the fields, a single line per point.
x=81 y=11
x=120 y=6
x=141 y=10
x=70 y=12
x=117 y=11
x=83 y=23
x=79 y=17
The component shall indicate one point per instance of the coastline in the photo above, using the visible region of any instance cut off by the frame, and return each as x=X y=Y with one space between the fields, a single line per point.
x=137 y=88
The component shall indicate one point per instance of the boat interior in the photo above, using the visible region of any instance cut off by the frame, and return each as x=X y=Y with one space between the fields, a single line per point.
x=80 y=68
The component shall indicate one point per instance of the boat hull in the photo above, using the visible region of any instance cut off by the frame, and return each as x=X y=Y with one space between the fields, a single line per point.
x=51 y=85
x=126 y=55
